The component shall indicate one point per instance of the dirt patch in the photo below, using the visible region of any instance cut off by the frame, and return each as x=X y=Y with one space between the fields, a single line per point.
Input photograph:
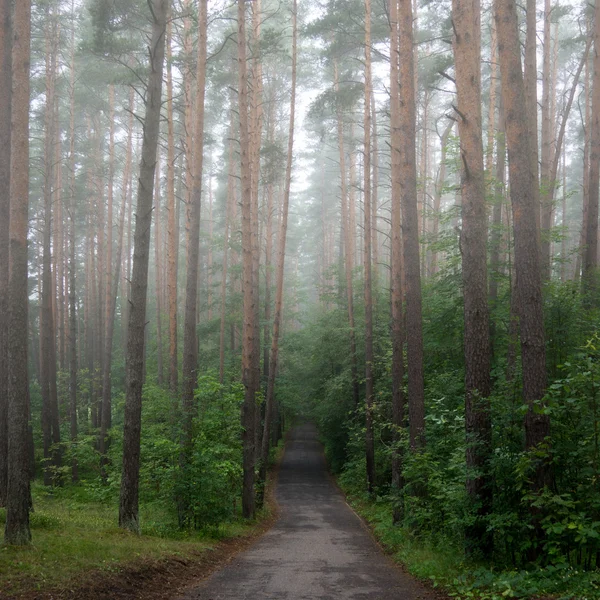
x=160 y=579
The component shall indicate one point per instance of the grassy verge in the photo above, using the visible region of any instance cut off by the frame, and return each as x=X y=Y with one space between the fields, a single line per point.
x=73 y=536
x=76 y=538
x=442 y=563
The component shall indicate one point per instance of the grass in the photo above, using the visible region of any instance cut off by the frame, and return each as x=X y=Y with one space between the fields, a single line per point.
x=73 y=535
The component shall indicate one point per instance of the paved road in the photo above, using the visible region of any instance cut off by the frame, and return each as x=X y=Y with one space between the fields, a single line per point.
x=318 y=549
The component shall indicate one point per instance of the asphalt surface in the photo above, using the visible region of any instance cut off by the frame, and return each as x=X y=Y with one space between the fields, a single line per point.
x=318 y=549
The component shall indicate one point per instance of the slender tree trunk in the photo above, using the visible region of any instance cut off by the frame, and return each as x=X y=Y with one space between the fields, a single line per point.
x=71 y=209
x=158 y=273
x=590 y=261
x=172 y=230
x=270 y=399
x=546 y=196
x=499 y=192
x=473 y=245
x=269 y=250
x=128 y=504
x=230 y=200
x=410 y=230
x=396 y=259
x=255 y=133
x=18 y=502
x=528 y=286
x=348 y=246
x=439 y=191
x=249 y=376
x=50 y=424
x=368 y=291
x=106 y=407
x=5 y=111
x=190 y=341
x=375 y=194
x=530 y=82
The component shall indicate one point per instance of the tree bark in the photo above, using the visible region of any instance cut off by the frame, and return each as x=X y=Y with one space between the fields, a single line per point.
x=5 y=111
x=590 y=261
x=410 y=229
x=190 y=340
x=172 y=241
x=129 y=497
x=249 y=376
x=18 y=502
x=546 y=196
x=368 y=291
x=473 y=246
x=274 y=355
x=348 y=245
x=396 y=259
x=528 y=286
x=50 y=424
x=71 y=210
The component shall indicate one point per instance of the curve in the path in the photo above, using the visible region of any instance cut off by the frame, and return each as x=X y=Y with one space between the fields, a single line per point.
x=318 y=549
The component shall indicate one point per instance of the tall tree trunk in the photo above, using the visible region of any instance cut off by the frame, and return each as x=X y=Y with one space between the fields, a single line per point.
x=71 y=210
x=530 y=83
x=439 y=191
x=158 y=273
x=368 y=291
x=50 y=424
x=410 y=229
x=190 y=341
x=228 y=210
x=270 y=399
x=528 y=286
x=255 y=132
x=546 y=196
x=269 y=247
x=249 y=376
x=18 y=502
x=473 y=245
x=106 y=410
x=590 y=261
x=5 y=110
x=348 y=245
x=498 y=191
x=396 y=258
x=375 y=193
x=172 y=230
x=128 y=503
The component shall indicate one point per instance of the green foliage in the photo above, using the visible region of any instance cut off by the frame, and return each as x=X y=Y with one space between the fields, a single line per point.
x=211 y=481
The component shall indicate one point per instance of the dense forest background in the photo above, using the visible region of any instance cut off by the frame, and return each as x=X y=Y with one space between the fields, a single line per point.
x=217 y=218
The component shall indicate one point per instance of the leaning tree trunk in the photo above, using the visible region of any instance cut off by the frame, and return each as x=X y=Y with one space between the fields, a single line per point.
x=129 y=498
x=473 y=247
x=18 y=501
x=5 y=105
x=274 y=355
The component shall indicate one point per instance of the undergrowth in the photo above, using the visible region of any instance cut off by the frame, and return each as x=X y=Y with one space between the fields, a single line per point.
x=443 y=564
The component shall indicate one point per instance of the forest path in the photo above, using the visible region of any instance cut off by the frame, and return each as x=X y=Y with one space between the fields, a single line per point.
x=318 y=549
